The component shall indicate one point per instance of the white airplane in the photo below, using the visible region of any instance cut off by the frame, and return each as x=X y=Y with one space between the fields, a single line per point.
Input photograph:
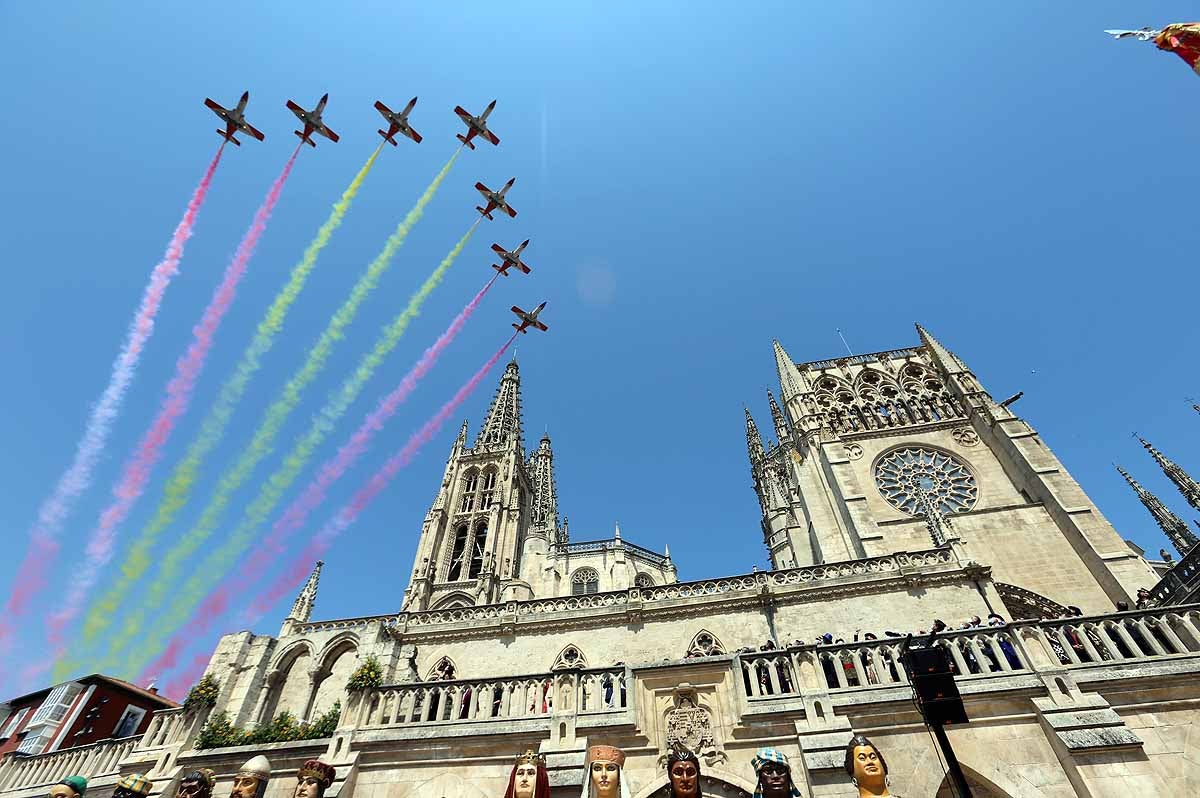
x=312 y=121
x=234 y=119
x=476 y=125
x=495 y=199
x=529 y=319
x=397 y=122
x=510 y=259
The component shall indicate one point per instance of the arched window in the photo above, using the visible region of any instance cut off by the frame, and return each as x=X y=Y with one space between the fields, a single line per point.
x=569 y=657
x=705 y=644
x=443 y=671
x=643 y=580
x=470 y=483
x=489 y=489
x=458 y=555
x=585 y=581
x=477 y=543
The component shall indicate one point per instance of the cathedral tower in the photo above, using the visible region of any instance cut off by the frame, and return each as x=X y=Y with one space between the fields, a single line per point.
x=904 y=450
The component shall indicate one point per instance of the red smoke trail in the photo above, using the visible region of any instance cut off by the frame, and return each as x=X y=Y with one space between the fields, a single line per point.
x=179 y=393
x=43 y=545
x=299 y=569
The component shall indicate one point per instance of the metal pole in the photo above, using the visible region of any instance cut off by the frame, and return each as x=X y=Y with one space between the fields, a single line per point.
x=956 y=774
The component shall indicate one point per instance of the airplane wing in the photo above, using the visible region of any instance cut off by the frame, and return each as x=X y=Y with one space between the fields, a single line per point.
x=213 y=105
x=327 y=133
x=253 y=131
x=492 y=137
x=462 y=112
x=540 y=326
x=383 y=109
x=522 y=267
x=482 y=189
x=295 y=109
x=499 y=250
x=412 y=134
x=512 y=214
x=518 y=311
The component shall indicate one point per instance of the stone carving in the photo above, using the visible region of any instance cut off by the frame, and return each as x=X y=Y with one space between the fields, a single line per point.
x=946 y=479
x=690 y=726
x=965 y=436
x=705 y=644
x=408 y=653
x=570 y=658
x=854 y=451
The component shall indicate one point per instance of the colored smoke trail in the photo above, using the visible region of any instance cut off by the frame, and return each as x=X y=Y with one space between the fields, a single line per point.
x=217 y=564
x=178 y=687
x=300 y=567
x=183 y=479
x=31 y=573
x=138 y=468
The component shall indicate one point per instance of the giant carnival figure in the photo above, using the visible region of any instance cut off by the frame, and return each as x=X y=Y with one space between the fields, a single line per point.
x=135 y=785
x=251 y=780
x=1181 y=38
x=602 y=773
x=866 y=767
x=683 y=773
x=197 y=784
x=528 y=778
x=70 y=787
x=313 y=779
x=774 y=775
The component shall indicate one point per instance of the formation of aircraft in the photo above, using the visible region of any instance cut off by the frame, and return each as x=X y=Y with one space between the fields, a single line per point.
x=510 y=259
x=476 y=125
x=529 y=319
x=234 y=119
x=495 y=199
x=397 y=122
x=312 y=121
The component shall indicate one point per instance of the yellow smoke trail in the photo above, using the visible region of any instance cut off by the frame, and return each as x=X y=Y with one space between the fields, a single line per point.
x=139 y=645
x=179 y=487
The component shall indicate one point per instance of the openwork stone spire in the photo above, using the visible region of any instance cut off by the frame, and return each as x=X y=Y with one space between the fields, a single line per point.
x=303 y=606
x=782 y=428
x=502 y=427
x=754 y=440
x=936 y=521
x=790 y=381
x=949 y=362
x=1172 y=525
x=1189 y=487
x=545 y=493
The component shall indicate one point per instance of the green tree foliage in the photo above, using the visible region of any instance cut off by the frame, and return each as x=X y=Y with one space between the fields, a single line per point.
x=220 y=733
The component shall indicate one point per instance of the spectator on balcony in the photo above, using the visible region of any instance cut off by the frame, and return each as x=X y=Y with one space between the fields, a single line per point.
x=1006 y=646
x=70 y=787
x=864 y=658
x=1144 y=599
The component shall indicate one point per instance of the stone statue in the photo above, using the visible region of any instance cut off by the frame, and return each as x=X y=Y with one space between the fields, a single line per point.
x=313 y=779
x=866 y=767
x=251 y=780
x=683 y=773
x=197 y=784
x=528 y=778
x=135 y=785
x=774 y=775
x=408 y=653
x=603 y=773
x=70 y=787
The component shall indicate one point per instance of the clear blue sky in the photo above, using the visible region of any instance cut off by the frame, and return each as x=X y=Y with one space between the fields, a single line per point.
x=697 y=179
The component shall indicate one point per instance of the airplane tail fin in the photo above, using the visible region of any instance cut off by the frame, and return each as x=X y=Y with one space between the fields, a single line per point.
x=228 y=136
x=485 y=213
x=304 y=138
x=502 y=269
x=518 y=328
x=464 y=140
x=387 y=138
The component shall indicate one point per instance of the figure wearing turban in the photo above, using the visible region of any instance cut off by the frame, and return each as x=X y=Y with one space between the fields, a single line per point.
x=135 y=785
x=197 y=784
x=774 y=775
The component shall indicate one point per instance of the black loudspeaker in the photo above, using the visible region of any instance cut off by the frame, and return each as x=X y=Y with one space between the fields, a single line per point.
x=932 y=679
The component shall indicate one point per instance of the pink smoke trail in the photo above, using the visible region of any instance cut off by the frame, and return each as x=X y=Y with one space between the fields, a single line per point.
x=335 y=468
x=297 y=572
x=138 y=468
x=43 y=544
x=178 y=687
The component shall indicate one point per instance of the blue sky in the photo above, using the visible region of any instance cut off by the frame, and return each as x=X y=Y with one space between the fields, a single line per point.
x=696 y=179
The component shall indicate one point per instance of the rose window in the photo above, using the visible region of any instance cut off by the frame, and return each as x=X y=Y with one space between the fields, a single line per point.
x=943 y=477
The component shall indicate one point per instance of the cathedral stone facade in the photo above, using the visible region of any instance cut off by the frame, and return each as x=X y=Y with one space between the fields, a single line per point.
x=894 y=490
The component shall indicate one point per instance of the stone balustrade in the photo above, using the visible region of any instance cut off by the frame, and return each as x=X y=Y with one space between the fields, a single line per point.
x=977 y=653
x=167 y=727
x=93 y=761
x=583 y=692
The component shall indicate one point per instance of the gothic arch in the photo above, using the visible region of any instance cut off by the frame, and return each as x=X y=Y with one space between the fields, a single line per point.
x=289 y=653
x=338 y=660
x=289 y=682
x=454 y=601
x=570 y=657
x=871 y=382
x=585 y=580
x=1025 y=605
x=706 y=644
x=335 y=647
x=441 y=669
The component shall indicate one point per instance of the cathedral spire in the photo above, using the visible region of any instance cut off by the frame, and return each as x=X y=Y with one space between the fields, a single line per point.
x=754 y=440
x=545 y=493
x=946 y=360
x=790 y=381
x=502 y=427
x=782 y=429
x=1172 y=525
x=303 y=606
x=1187 y=486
